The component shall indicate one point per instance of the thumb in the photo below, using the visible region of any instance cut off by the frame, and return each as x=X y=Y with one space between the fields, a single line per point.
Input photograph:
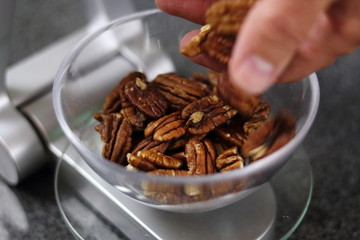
x=268 y=40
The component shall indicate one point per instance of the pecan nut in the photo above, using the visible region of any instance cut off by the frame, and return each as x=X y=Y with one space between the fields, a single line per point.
x=271 y=136
x=194 y=46
x=218 y=189
x=116 y=102
x=178 y=143
x=258 y=118
x=230 y=159
x=205 y=114
x=166 y=128
x=140 y=163
x=223 y=21
x=232 y=132
x=113 y=101
x=145 y=98
x=164 y=197
x=116 y=133
x=171 y=172
x=200 y=156
x=242 y=101
x=226 y=17
x=159 y=159
x=164 y=192
x=179 y=155
x=213 y=78
x=150 y=144
x=219 y=47
x=134 y=116
x=286 y=125
x=180 y=91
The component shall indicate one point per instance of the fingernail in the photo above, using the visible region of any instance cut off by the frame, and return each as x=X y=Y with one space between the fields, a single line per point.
x=253 y=75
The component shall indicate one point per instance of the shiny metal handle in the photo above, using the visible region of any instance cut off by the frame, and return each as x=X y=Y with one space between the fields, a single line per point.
x=20 y=146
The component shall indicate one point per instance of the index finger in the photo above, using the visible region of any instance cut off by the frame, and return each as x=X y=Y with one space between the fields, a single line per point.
x=193 y=10
x=272 y=33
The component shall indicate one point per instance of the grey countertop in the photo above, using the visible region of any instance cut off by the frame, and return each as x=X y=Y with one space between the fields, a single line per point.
x=29 y=210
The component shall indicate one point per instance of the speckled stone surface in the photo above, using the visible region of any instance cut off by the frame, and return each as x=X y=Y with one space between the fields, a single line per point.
x=333 y=146
x=29 y=211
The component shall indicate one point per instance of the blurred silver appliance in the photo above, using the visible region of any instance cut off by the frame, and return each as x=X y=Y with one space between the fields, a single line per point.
x=25 y=139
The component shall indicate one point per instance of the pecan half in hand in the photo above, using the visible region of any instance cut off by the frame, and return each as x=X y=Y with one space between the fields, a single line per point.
x=216 y=39
x=226 y=17
x=244 y=102
x=194 y=46
x=116 y=133
x=218 y=46
x=166 y=128
x=205 y=114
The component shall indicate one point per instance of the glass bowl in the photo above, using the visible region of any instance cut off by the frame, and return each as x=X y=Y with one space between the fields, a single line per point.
x=149 y=42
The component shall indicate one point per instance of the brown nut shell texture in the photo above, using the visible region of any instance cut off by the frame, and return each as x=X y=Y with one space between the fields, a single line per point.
x=200 y=156
x=223 y=21
x=271 y=136
x=258 y=118
x=116 y=102
x=145 y=98
x=116 y=133
x=205 y=114
x=205 y=136
x=151 y=144
x=166 y=128
x=180 y=91
x=230 y=159
x=159 y=159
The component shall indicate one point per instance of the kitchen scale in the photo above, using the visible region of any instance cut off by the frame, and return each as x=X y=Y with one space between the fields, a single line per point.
x=91 y=208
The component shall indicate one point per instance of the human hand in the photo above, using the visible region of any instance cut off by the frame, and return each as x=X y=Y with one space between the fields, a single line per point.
x=281 y=40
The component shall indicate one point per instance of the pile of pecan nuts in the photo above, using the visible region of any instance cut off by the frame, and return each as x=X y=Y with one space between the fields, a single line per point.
x=192 y=126
x=175 y=125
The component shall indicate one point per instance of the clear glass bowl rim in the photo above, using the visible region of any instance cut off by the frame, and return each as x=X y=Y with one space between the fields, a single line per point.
x=249 y=170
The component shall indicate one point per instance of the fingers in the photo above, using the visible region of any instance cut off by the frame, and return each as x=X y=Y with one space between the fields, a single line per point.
x=333 y=35
x=320 y=49
x=281 y=40
x=193 y=10
x=345 y=18
x=269 y=39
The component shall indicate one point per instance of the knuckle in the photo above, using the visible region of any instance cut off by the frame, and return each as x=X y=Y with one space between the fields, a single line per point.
x=350 y=33
x=311 y=51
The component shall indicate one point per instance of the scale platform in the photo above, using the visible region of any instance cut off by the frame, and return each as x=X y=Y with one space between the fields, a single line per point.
x=92 y=209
